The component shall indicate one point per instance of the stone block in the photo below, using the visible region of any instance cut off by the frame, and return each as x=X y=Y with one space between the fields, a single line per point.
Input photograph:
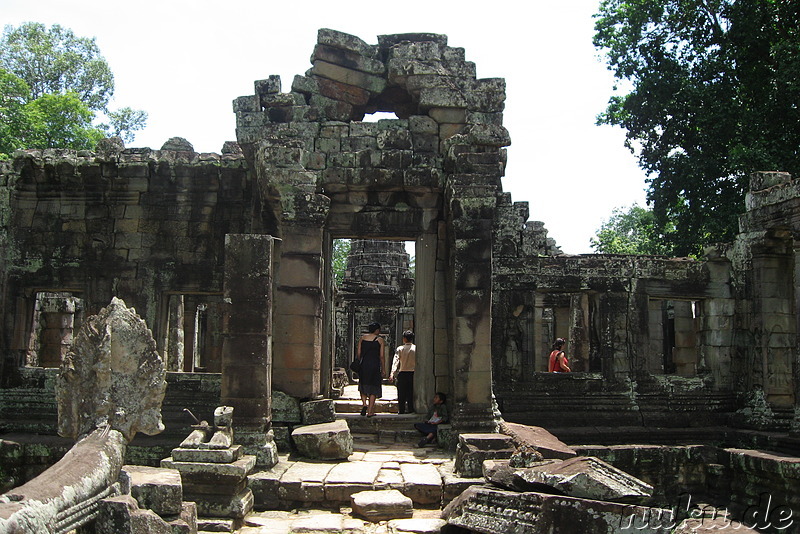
x=285 y=408
x=324 y=441
x=318 y=411
x=217 y=456
x=416 y=526
x=372 y=83
x=343 y=480
x=154 y=488
x=473 y=449
x=304 y=482
x=326 y=523
x=423 y=483
x=265 y=486
x=121 y=514
x=382 y=505
x=236 y=506
x=211 y=473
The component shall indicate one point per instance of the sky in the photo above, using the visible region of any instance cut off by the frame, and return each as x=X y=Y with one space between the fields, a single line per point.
x=184 y=62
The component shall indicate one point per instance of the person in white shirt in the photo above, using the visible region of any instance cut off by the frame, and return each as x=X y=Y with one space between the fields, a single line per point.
x=405 y=359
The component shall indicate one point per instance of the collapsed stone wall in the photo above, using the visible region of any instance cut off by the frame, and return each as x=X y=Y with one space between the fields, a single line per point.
x=140 y=224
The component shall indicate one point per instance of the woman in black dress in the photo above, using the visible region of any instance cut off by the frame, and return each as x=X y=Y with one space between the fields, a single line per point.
x=370 y=351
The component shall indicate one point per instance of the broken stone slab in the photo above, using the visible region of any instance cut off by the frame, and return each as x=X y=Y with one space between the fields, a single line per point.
x=343 y=480
x=416 y=526
x=154 y=488
x=589 y=478
x=324 y=523
x=422 y=482
x=502 y=474
x=318 y=411
x=382 y=505
x=473 y=449
x=540 y=439
x=494 y=511
x=717 y=525
x=326 y=441
x=454 y=485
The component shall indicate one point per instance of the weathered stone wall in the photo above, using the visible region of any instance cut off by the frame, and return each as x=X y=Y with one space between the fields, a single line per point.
x=139 y=224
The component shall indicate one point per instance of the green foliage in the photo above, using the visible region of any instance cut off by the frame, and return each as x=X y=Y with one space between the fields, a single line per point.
x=341 y=248
x=55 y=61
x=124 y=122
x=51 y=85
x=715 y=86
x=630 y=232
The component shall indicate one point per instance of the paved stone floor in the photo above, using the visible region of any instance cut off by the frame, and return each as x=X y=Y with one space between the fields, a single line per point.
x=398 y=464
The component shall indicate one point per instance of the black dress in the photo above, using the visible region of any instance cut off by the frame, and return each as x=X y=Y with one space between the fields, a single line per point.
x=370 y=379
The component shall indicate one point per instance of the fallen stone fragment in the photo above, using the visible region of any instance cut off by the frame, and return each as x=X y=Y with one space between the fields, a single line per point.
x=589 y=478
x=318 y=411
x=501 y=474
x=381 y=505
x=154 y=488
x=540 y=439
x=718 y=525
x=327 y=523
x=327 y=441
x=493 y=511
x=473 y=449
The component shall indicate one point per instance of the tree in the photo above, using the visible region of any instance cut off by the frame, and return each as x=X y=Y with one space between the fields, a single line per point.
x=715 y=86
x=341 y=249
x=52 y=85
x=55 y=61
x=630 y=232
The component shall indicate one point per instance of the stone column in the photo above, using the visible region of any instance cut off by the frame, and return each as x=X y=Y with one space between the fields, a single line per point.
x=424 y=285
x=247 y=342
x=471 y=247
x=57 y=321
x=175 y=335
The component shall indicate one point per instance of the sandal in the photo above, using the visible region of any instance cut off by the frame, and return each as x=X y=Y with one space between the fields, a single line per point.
x=363 y=411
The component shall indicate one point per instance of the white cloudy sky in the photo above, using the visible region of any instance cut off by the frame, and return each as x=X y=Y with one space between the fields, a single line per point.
x=185 y=61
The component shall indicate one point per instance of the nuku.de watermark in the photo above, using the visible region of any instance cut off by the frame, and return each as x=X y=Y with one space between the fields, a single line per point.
x=766 y=514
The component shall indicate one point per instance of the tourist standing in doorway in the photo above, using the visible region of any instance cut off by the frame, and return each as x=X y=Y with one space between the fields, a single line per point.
x=370 y=351
x=405 y=358
x=558 y=360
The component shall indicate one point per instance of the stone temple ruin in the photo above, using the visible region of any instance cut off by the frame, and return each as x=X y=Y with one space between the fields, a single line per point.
x=686 y=371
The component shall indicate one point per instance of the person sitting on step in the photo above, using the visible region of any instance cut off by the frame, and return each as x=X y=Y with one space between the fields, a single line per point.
x=437 y=415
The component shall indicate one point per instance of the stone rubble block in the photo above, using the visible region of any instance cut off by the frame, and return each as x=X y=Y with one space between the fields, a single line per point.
x=215 y=456
x=326 y=441
x=382 y=505
x=369 y=82
x=344 y=480
x=423 y=482
x=345 y=41
x=454 y=485
x=542 y=440
x=285 y=408
x=490 y=510
x=348 y=58
x=318 y=411
x=154 y=488
x=473 y=449
x=416 y=526
x=588 y=478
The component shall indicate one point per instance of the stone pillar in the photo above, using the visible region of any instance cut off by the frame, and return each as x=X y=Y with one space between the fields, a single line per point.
x=299 y=304
x=175 y=336
x=578 y=331
x=471 y=247
x=424 y=374
x=57 y=323
x=247 y=342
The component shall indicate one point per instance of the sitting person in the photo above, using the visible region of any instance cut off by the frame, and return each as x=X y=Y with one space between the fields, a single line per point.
x=437 y=415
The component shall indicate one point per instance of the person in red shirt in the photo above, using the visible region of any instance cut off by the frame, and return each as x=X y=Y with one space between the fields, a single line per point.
x=558 y=360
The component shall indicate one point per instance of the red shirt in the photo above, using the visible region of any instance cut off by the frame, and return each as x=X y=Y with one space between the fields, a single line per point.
x=553 y=366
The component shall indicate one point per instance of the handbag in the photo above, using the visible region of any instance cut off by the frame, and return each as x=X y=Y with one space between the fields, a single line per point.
x=355 y=366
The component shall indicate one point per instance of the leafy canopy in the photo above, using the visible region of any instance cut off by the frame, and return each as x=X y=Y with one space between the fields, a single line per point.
x=52 y=84
x=630 y=231
x=715 y=87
